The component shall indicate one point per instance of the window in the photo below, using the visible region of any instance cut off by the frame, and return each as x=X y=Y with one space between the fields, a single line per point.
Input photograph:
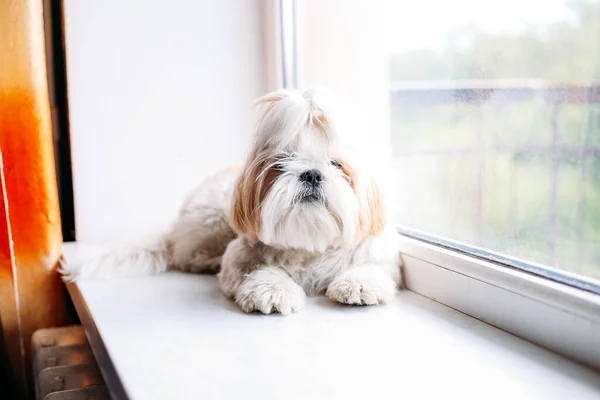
x=496 y=126
x=494 y=117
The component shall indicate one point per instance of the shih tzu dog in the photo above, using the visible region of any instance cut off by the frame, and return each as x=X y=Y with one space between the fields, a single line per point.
x=300 y=218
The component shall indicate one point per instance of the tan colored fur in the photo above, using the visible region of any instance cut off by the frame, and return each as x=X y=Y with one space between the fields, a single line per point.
x=372 y=217
x=250 y=190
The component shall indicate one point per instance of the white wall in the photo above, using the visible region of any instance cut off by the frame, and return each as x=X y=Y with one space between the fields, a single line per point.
x=159 y=97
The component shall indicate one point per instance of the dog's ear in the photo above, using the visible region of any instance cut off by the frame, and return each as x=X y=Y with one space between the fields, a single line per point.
x=245 y=214
x=374 y=209
x=249 y=192
x=372 y=218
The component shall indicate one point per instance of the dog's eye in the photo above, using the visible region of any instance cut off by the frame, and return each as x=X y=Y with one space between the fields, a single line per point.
x=336 y=164
x=278 y=167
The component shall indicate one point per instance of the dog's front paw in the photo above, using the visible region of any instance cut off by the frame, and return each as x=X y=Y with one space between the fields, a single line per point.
x=362 y=286
x=270 y=290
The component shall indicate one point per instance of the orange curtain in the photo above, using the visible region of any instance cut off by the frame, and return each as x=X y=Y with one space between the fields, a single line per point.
x=31 y=293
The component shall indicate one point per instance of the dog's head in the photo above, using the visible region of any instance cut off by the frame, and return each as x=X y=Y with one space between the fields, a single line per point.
x=298 y=189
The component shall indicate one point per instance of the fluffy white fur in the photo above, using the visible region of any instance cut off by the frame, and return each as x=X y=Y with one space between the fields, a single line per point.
x=301 y=217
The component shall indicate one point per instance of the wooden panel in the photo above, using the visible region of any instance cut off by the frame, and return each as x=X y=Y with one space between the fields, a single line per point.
x=13 y=367
x=31 y=291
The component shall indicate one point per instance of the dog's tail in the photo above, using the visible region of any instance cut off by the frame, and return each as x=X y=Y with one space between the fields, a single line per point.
x=147 y=257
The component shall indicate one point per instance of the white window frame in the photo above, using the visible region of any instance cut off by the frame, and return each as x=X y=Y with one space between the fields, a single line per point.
x=562 y=318
x=553 y=315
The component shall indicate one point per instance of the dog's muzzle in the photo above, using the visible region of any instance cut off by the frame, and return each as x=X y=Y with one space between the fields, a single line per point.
x=313 y=187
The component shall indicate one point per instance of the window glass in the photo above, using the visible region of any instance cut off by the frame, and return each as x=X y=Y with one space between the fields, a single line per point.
x=495 y=125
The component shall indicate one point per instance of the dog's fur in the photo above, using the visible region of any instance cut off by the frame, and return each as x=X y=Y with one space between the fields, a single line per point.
x=274 y=233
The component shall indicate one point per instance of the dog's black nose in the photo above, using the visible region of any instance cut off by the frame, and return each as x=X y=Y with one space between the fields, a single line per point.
x=313 y=177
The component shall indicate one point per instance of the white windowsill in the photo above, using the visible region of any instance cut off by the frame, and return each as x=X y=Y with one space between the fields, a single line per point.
x=175 y=336
x=555 y=316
